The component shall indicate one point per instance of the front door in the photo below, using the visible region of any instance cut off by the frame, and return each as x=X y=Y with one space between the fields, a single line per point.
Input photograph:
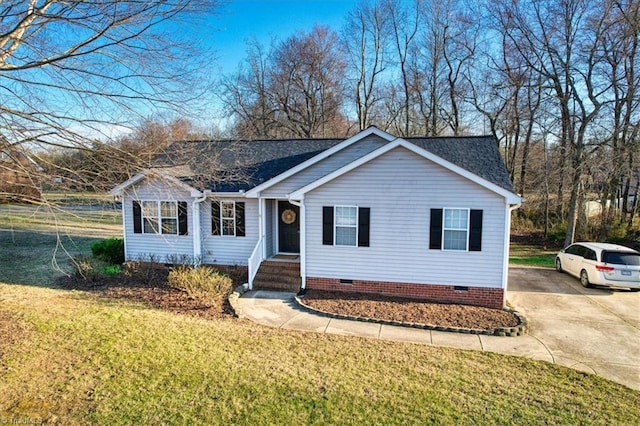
x=288 y=227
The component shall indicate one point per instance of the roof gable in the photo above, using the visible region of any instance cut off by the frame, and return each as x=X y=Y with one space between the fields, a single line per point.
x=509 y=195
x=252 y=166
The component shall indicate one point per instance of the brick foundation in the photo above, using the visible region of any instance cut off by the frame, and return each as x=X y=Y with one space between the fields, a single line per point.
x=477 y=296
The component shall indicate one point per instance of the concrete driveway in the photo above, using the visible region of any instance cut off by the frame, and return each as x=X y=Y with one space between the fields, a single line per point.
x=595 y=330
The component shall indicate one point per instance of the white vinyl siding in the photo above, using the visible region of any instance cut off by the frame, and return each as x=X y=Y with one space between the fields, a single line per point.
x=324 y=167
x=401 y=188
x=151 y=245
x=222 y=250
x=455 y=229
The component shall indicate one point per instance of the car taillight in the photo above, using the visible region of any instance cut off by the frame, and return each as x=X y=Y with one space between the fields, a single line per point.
x=604 y=268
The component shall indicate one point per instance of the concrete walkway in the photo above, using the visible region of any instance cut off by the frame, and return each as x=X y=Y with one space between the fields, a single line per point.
x=552 y=336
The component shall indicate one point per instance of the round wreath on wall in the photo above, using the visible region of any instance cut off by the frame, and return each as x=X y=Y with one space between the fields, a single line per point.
x=288 y=216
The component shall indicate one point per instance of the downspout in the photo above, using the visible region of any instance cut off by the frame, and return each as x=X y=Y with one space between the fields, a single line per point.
x=303 y=245
x=197 y=231
x=124 y=226
x=507 y=233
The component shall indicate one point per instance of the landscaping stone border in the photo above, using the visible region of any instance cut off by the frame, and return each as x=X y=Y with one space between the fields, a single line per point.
x=233 y=299
x=519 y=330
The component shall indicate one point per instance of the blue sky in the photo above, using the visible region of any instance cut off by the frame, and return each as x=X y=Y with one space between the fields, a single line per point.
x=239 y=20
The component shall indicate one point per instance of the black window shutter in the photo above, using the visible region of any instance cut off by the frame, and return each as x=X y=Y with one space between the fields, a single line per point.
x=435 y=229
x=240 y=219
x=183 y=227
x=475 y=230
x=137 y=217
x=215 y=217
x=327 y=225
x=363 y=226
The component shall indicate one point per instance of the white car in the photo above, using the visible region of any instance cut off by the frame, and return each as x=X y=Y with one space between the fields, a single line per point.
x=605 y=264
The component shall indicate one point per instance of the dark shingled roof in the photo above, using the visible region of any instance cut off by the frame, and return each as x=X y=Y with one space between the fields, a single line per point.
x=230 y=166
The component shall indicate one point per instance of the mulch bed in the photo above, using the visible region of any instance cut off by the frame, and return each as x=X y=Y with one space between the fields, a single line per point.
x=152 y=290
x=409 y=310
x=156 y=294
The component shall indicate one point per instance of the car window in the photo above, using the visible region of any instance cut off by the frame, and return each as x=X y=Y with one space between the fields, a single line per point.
x=621 y=258
x=589 y=254
x=574 y=249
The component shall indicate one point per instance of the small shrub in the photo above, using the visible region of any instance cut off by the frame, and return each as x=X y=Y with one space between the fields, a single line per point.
x=203 y=282
x=111 y=251
x=111 y=270
x=86 y=268
x=145 y=273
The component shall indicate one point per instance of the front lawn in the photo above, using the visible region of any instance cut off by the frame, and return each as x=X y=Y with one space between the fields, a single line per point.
x=80 y=359
x=75 y=357
x=531 y=255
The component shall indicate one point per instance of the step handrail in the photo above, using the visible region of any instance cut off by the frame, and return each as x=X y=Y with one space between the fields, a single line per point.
x=254 y=262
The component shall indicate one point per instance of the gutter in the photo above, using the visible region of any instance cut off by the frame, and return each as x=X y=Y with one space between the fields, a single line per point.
x=197 y=231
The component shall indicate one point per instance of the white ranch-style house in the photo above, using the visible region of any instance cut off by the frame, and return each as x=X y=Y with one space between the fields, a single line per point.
x=425 y=218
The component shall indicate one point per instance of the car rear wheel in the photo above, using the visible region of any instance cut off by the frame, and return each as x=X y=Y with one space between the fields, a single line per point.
x=584 y=279
x=558 y=265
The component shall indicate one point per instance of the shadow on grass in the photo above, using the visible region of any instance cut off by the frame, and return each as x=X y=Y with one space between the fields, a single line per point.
x=38 y=258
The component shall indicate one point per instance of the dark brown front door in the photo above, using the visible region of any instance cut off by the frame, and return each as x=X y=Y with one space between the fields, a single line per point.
x=288 y=227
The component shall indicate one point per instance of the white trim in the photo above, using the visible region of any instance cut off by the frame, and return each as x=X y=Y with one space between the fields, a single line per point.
x=223 y=218
x=196 y=228
x=255 y=192
x=159 y=217
x=119 y=189
x=335 y=226
x=508 y=195
x=303 y=242
x=277 y=222
x=505 y=256
x=468 y=229
x=124 y=225
x=149 y=174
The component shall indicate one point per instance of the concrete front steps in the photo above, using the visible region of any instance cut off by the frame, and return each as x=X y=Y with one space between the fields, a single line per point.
x=278 y=275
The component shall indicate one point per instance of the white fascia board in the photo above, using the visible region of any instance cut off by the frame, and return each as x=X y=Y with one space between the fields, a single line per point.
x=119 y=190
x=255 y=192
x=508 y=195
x=237 y=194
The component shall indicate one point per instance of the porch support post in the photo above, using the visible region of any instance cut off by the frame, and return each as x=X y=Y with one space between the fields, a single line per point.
x=262 y=204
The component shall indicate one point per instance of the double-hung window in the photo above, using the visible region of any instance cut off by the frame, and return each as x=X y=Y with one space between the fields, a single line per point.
x=228 y=217
x=169 y=217
x=346 y=225
x=455 y=229
x=160 y=217
x=150 y=217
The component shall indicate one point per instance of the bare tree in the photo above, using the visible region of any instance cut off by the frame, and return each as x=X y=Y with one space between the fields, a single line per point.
x=365 y=38
x=405 y=25
x=75 y=71
x=306 y=82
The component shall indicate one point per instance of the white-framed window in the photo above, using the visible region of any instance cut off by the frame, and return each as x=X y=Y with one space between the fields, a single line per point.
x=455 y=229
x=160 y=217
x=346 y=225
x=228 y=217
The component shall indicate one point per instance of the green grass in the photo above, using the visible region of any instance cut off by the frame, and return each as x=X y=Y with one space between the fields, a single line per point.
x=77 y=220
x=71 y=357
x=531 y=256
x=85 y=360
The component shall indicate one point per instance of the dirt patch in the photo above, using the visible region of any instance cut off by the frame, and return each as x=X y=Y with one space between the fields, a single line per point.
x=154 y=293
x=408 y=310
